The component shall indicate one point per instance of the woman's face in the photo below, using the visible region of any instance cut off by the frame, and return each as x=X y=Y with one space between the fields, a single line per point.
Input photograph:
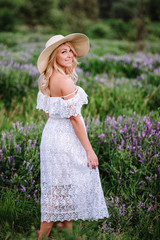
x=64 y=56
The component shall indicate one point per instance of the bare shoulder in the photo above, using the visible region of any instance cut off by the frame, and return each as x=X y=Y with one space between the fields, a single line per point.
x=61 y=85
x=66 y=84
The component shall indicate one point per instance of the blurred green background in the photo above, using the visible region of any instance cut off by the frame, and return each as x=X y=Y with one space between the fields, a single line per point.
x=121 y=75
x=112 y=19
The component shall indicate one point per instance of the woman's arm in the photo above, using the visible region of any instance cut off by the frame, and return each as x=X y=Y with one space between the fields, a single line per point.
x=82 y=136
x=67 y=86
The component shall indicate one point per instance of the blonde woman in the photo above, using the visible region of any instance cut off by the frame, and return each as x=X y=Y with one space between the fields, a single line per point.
x=70 y=182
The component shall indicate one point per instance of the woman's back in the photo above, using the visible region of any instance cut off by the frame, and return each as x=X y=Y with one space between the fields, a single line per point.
x=60 y=85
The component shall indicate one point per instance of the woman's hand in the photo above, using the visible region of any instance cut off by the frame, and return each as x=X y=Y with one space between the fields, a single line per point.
x=92 y=158
x=47 y=115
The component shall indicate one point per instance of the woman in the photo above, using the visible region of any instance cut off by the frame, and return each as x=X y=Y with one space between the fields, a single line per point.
x=70 y=183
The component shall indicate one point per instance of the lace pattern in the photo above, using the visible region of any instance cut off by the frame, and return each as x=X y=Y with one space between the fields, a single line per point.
x=70 y=190
x=57 y=107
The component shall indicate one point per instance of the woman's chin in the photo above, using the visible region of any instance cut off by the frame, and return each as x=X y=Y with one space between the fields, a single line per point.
x=69 y=65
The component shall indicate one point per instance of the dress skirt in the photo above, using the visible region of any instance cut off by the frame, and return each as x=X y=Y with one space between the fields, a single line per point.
x=70 y=190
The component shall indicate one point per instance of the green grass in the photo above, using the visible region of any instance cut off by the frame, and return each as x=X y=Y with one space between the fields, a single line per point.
x=114 y=89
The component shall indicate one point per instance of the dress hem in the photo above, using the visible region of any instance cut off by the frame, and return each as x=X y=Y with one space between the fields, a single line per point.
x=76 y=219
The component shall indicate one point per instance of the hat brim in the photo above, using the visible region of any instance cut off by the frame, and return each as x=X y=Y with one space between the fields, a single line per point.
x=79 y=41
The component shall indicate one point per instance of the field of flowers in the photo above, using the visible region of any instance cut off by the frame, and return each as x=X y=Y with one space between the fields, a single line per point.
x=123 y=123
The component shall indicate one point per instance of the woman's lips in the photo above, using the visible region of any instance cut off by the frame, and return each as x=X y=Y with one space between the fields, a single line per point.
x=69 y=60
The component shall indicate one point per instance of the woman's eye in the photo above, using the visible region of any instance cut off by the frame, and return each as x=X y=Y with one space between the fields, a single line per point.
x=64 y=52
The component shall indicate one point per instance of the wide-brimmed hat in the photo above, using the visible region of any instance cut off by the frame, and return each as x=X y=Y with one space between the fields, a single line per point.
x=79 y=41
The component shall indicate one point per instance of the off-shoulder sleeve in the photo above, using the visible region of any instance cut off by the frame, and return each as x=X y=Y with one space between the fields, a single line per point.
x=60 y=108
x=72 y=106
x=42 y=102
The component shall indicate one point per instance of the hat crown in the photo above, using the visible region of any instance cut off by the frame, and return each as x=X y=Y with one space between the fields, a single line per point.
x=53 y=40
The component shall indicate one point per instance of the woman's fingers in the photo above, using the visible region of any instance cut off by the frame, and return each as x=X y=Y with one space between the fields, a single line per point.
x=92 y=159
x=94 y=164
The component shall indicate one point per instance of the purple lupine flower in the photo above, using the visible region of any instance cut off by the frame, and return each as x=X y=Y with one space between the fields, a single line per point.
x=114 y=140
x=27 y=165
x=28 y=196
x=122 y=142
x=151 y=208
x=132 y=129
x=88 y=73
x=17 y=146
x=155 y=177
x=2 y=174
x=112 y=200
x=1 y=157
x=31 y=168
x=35 y=191
x=120 y=147
x=133 y=148
x=150 y=195
x=148 y=178
x=35 y=141
x=142 y=183
x=33 y=182
x=143 y=134
x=140 y=155
x=79 y=70
x=139 y=135
x=138 y=121
x=120 y=198
x=141 y=204
x=9 y=159
x=23 y=188
x=142 y=160
x=37 y=175
x=3 y=136
x=157 y=155
x=120 y=181
x=102 y=135
x=159 y=169
x=134 y=171
x=30 y=141
x=134 y=141
x=122 y=209
x=117 y=200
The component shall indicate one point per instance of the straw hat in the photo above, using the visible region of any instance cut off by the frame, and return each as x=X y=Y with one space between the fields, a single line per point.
x=79 y=41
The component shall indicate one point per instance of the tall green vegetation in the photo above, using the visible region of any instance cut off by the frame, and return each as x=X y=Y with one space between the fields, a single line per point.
x=123 y=125
x=36 y=12
x=119 y=19
x=8 y=14
x=127 y=9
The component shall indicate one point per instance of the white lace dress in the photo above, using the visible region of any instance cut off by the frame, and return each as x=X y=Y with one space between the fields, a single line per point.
x=70 y=190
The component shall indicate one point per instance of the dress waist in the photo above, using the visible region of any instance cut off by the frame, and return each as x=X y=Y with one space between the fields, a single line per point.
x=58 y=118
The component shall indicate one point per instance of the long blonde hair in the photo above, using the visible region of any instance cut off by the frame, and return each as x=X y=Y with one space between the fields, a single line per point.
x=43 y=80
